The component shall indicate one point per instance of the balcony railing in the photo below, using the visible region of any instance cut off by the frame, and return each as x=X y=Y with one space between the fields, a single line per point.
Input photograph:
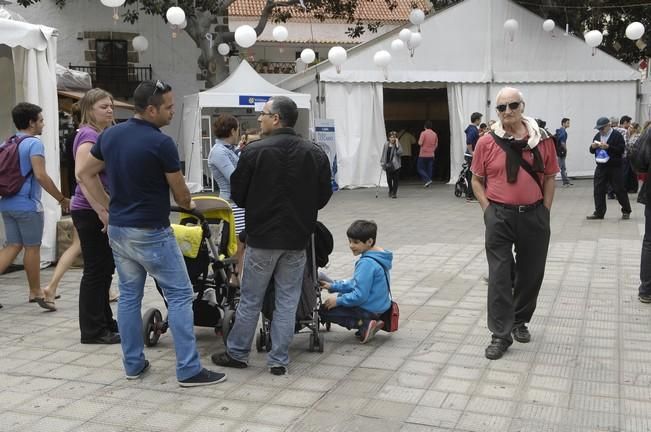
x=119 y=80
x=274 y=67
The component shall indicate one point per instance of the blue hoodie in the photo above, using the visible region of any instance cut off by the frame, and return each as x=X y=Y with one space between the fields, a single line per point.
x=368 y=288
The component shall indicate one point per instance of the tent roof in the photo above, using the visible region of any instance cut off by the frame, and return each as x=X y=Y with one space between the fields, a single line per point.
x=243 y=88
x=26 y=35
x=467 y=43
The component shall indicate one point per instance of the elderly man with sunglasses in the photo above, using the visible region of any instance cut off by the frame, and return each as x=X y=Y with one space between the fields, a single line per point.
x=513 y=179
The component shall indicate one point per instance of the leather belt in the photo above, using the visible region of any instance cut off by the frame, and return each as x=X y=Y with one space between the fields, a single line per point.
x=519 y=208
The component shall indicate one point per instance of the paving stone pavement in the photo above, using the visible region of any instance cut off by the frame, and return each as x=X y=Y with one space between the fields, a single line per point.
x=587 y=367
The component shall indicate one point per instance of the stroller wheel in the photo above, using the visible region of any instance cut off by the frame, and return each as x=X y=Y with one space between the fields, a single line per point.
x=267 y=344
x=227 y=323
x=259 y=342
x=458 y=190
x=152 y=327
x=311 y=344
x=321 y=343
x=328 y=325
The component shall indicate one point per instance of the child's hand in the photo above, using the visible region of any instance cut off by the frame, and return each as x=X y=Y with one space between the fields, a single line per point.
x=324 y=285
x=330 y=302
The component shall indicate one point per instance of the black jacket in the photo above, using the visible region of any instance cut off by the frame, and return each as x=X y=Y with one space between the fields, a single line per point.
x=616 y=148
x=282 y=181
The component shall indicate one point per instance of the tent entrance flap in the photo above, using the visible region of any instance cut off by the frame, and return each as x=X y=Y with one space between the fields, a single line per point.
x=405 y=111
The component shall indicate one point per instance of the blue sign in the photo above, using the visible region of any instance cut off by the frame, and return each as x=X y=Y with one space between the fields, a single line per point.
x=253 y=100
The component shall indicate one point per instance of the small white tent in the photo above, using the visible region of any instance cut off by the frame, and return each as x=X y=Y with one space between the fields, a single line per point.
x=466 y=51
x=243 y=91
x=28 y=65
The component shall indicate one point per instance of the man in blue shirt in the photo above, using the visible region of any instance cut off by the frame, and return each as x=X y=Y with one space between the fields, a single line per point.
x=142 y=165
x=472 y=136
x=561 y=149
x=22 y=213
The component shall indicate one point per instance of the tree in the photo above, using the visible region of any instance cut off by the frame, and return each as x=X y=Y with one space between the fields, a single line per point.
x=211 y=16
x=608 y=16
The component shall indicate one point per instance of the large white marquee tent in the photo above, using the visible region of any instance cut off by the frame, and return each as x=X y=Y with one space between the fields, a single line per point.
x=28 y=67
x=466 y=50
x=244 y=90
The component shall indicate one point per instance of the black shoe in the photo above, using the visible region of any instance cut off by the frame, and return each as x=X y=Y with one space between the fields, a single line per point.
x=203 y=378
x=497 y=348
x=1 y=306
x=611 y=196
x=109 y=338
x=144 y=369
x=278 y=370
x=645 y=298
x=594 y=217
x=223 y=359
x=626 y=216
x=521 y=334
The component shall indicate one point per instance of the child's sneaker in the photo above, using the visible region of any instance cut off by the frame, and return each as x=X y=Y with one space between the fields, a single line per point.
x=372 y=327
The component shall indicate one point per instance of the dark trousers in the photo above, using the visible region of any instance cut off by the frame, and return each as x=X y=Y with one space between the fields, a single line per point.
x=603 y=175
x=645 y=262
x=392 y=181
x=514 y=282
x=425 y=165
x=349 y=317
x=469 y=193
x=95 y=315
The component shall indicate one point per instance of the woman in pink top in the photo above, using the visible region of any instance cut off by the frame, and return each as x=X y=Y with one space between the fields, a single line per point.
x=428 y=141
x=95 y=316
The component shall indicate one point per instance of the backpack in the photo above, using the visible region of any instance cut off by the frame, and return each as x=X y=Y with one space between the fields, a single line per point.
x=560 y=150
x=11 y=179
x=638 y=154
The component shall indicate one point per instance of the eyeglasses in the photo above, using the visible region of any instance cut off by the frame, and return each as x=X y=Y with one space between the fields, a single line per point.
x=160 y=85
x=262 y=113
x=513 y=105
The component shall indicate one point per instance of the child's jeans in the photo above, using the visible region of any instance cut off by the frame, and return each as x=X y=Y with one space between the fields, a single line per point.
x=349 y=317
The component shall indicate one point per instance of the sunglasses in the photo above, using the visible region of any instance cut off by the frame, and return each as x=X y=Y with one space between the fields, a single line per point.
x=513 y=106
x=160 y=85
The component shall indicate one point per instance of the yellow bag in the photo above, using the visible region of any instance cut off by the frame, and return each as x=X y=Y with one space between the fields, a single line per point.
x=188 y=239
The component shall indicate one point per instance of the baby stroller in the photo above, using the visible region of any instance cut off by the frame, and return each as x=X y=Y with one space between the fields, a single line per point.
x=461 y=186
x=206 y=237
x=307 y=313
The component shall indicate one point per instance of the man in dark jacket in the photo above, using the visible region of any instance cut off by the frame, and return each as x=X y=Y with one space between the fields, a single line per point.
x=282 y=181
x=608 y=146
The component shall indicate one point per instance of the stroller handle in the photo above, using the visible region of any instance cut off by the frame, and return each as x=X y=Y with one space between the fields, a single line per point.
x=193 y=212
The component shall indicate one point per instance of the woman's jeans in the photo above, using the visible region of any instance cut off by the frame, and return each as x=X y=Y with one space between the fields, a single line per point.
x=645 y=262
x=137 y=252
x=260 y=265
x=95 y=315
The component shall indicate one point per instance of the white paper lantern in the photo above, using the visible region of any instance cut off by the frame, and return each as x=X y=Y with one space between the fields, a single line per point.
x=337 y=56
x=113 y=3
x=140 y=43
x=549 y=25
x=308 y=56
x=280 y=33
x=175 y=15
x=223 y=49
x=593 y=38
x=635 y=30
x=404 y=35
x=245 y=36
x=511 y=26
x=397 y=45
x=415 y=40
x=416 y=16
x=382 y=58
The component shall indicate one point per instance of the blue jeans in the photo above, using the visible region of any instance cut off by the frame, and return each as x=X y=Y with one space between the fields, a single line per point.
x=260 y=265
x=645 y=262
x=424 y=167
x=138 y=251
x=561 y=164
x=349 y=317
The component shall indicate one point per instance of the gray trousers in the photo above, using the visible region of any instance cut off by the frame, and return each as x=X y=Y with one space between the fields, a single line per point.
x=514 y=281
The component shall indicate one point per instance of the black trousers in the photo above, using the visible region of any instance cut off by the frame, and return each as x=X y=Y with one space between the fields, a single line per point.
x=392 y=181
x=469 y=192
x=514 y=281
x=613 y=175
x=95 y=315
x=645 y=261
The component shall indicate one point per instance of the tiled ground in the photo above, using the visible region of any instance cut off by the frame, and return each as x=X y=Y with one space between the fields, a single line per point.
x=586 y=369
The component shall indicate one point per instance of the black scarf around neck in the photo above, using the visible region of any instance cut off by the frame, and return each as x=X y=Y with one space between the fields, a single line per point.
x=513 y=164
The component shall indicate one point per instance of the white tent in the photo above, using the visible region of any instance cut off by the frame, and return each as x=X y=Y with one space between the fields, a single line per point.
x=28 y=65
x=466 y=51
x=244 y=90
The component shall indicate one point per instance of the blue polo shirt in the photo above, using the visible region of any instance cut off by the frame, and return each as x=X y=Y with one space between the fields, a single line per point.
x=137 y=155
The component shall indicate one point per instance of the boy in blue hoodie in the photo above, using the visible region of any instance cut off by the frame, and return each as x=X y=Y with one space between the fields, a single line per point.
x=359 y=302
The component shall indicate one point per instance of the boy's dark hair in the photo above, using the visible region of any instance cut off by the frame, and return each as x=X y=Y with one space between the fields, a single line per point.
x=483 y=126
x=150 y=93
x=625 y=119
x=23 y=113
x=224 y=124
x=475 y=116
x=564 y=120
x=362 y=230
x=428 y=124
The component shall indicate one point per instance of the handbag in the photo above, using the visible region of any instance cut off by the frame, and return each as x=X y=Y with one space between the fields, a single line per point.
x=390 y=317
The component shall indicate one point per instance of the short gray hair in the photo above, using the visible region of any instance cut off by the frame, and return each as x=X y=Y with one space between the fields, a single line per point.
x=286 y=109
x=505 y=89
